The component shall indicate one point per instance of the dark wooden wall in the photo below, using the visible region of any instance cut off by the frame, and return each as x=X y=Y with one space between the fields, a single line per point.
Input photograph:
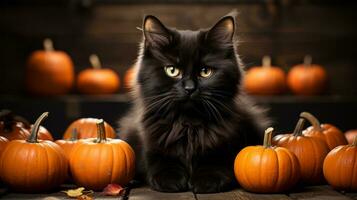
x=287 y=31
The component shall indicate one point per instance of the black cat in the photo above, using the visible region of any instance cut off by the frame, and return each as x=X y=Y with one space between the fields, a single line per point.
x=190 y=118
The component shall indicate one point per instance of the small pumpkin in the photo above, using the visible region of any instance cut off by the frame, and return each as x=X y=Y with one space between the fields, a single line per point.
x=33 y=165
x=340 y=167
x=128 y=78
x=3 y=143
x=310 y=152
x=87 y=128
x=327 y=132
x=350 y=135
x=265 y=80
x=97 y=162
x=266 y=169
x=67 y=145
x=49 y=72
x=307 y=78
x=13 y=127
x=97 y=80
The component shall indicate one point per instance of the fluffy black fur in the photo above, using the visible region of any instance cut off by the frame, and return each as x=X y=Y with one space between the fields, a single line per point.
x=186 y=131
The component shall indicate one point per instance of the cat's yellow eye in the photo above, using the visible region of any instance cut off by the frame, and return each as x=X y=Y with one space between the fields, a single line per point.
x=206 y=72
x=172 y=71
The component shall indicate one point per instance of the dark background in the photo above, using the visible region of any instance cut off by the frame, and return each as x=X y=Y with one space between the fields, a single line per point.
x=285 y=29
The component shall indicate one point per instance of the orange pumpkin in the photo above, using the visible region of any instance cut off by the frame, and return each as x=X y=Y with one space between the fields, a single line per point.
x=265 y=80
x=97 y=162
x=3 y=142
x=350 y=135
x=87 y=128
x=327 y=132
x=310 y=152
x=33 y=165
x=128 y=78
x=97 y=80
x=266 y=169
x=49 y=72
x=307 y=78
x=340 y=167
x=67 y=145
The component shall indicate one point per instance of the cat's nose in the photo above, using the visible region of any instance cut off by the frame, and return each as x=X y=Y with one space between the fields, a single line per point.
x=189 y=86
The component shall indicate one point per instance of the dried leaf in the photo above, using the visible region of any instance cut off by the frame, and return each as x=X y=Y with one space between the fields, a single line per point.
x=113 y=190
x=75 y=192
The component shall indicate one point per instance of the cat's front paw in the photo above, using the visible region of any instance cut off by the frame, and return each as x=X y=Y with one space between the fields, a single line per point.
x=169 y=181
x=211 y=182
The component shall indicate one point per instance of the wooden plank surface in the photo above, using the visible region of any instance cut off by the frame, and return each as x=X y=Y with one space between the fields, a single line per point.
x=240 y=194
x=148 y=194
x=318 y=192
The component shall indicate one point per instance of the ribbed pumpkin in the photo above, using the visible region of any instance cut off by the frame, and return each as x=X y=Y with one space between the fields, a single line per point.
x=3 y=142
x=68 y=144
x=327 y=132
x=266 y=169
x=350 y=135
x=97 y=80
x=307 y=78
x=87 y=128
x=265 y=80
x=13 y=127
x=310 y=152
x=49 y=72
x=97 y=162
x=340 y=167
x=33 y=165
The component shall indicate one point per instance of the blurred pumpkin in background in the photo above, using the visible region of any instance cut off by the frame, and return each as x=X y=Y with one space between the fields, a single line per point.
x=43 y=133
x=128 y=78
x=327 y=132
x=97 y=80
x=87 y=128
x=68 y=144
x=307 y=78
x=265 y=80
x=350 y=135
x=49 y=72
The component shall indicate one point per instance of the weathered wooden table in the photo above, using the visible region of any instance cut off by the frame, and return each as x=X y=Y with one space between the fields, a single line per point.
x=144 y=193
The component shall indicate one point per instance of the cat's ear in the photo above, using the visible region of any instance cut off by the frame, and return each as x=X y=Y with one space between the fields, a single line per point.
x=155 y=33
x=223 y=30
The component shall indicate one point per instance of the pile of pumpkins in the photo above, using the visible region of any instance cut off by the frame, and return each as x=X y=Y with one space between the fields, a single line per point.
x=303 y=79
x=89 y=155
x=50 y=72
x=30 y=161
x=307 y=157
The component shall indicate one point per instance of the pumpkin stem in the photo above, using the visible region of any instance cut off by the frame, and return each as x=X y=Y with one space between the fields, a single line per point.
x=266 y=61
x=101 y=131
x=94 y=61
x=74 y=134
x=267 y=137
x=298 y=128
x=307 y=60
x=312 y=119
x=48 y=44
x=36 y=126
x=355 y=141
